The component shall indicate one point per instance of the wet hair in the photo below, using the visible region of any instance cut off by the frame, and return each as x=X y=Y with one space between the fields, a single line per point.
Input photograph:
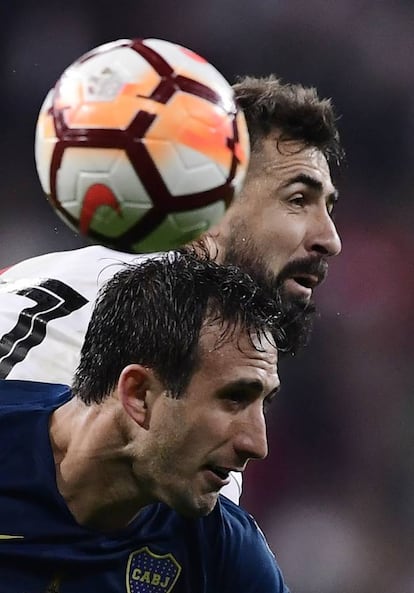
x=296 y=111
x=152 y=313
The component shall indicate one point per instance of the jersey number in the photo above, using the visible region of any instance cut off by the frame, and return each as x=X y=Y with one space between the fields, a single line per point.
x=53 y=299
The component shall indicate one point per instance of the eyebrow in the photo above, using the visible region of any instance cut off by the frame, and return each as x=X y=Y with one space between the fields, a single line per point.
x=312 y=183
x=253 y=385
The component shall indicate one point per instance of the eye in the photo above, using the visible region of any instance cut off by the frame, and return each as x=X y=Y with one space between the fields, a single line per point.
x=297 y=199
x=237 y=399
x=238 y=395
x=331 y=202
x=267 y=402
x=330 y=208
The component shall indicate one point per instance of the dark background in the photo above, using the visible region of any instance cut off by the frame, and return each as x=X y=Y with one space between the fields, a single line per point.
x=336 y=495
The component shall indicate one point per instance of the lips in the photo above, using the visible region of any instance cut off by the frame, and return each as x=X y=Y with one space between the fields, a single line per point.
x=222 y=473
x=305 y=274
x=219 y=474
x=308 y=280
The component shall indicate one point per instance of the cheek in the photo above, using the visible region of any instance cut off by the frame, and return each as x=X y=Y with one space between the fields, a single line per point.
x=167 y=429
x=283 y=233
x=206 y=432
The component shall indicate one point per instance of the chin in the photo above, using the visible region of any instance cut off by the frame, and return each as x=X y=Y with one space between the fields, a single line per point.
x=196 y=507
x=298 y=320
x=303 y=300
x=295 y=299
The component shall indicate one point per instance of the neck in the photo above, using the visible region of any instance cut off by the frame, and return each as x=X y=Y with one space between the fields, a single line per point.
x=92 y=447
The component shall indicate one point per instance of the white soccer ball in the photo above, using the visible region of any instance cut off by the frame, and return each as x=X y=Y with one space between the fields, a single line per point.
x=140 y=145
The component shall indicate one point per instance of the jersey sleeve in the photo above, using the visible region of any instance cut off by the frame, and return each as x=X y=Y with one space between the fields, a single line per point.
x=249 y=565
x=45 y=306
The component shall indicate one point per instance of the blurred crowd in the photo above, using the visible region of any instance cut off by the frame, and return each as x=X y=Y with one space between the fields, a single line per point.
x=336 y=495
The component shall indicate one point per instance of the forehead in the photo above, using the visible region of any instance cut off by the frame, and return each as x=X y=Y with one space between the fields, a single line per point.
x=285 y=159
x=237 y=357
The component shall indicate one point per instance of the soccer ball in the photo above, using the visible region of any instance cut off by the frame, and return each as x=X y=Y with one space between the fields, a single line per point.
x=140 y=145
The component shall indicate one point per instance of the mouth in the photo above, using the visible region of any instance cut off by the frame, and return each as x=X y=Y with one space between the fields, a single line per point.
x=307 y=280
x=301 y=277
x=301 y=285
x=220 y=476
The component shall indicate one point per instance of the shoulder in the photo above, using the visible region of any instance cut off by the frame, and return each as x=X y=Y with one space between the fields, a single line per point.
x=243 y=546
x=21 y=395
x=81 y=270
x=239 y=525
x=72 y=262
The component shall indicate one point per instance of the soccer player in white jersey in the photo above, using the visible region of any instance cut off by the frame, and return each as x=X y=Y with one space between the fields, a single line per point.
x=279 y=229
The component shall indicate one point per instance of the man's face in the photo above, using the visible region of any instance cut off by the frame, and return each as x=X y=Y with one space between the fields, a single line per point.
x=280 y=229
x=216 y=426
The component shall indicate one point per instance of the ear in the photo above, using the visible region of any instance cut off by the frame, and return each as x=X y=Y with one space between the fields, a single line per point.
x=136 y=389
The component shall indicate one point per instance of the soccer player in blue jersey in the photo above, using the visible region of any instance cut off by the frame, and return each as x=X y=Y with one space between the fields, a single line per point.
x=114 y=487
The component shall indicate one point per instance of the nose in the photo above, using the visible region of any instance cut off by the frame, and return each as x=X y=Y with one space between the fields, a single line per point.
x=324 y=238
x=251 y=439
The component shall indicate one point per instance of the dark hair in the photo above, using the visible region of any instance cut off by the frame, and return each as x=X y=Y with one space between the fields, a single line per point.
x=152 y=312
x=295 y=110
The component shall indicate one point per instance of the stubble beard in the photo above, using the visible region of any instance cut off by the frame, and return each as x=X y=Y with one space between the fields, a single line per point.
x=297 y=314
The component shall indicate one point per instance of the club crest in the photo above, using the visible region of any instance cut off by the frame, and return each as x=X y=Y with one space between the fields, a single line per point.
x=151 y=573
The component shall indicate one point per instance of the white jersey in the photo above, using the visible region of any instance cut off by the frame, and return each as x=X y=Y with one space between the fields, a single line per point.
x=45 y=306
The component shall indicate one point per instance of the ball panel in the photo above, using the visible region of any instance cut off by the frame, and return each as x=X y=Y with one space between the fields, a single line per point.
x=187 y=63
x=105 y=92
x=193 y=122
x=180 y=228
x=98 y=202
x=128 y=185
x=114 y=222
x=79 y=169
x=208 y=130
x=100 y=188
x=184 y=170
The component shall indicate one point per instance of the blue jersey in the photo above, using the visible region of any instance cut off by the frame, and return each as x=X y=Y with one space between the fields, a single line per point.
x=44 y=550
